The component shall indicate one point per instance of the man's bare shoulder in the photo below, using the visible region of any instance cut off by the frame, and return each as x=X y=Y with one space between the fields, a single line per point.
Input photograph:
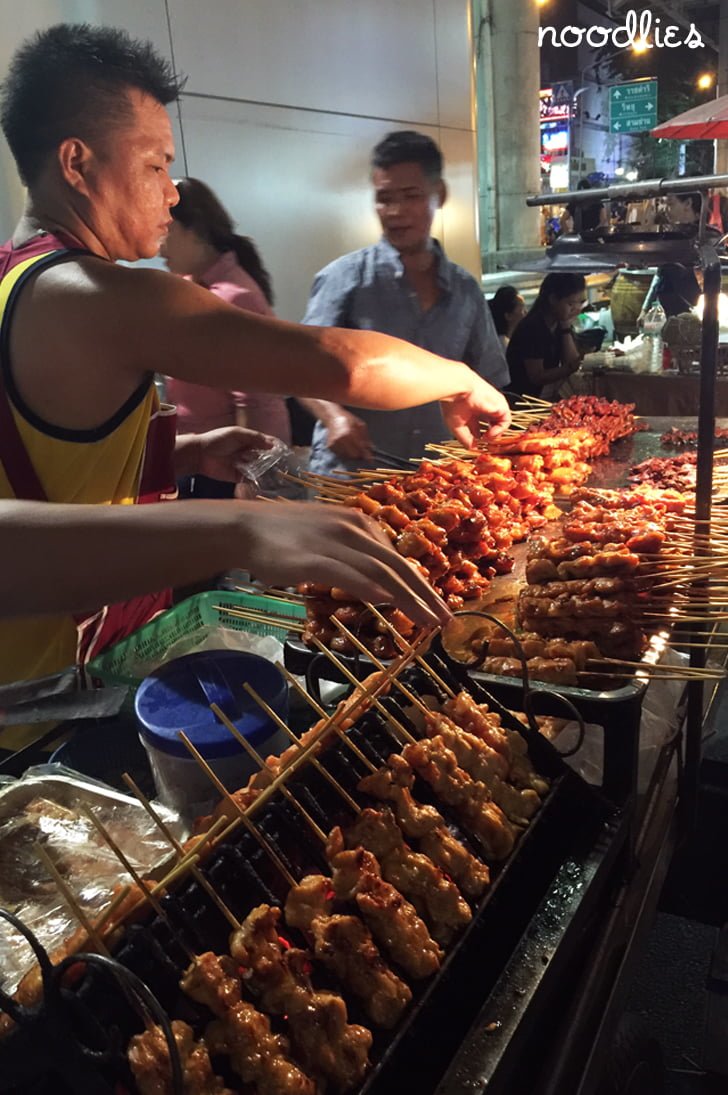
x=90 y=275
x=97 y=316
x=106 y=301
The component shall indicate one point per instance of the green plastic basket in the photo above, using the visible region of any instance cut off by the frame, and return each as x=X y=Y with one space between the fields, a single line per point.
x=134 y=658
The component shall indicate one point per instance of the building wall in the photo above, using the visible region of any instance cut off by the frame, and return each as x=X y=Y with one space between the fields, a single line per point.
x=283 y=102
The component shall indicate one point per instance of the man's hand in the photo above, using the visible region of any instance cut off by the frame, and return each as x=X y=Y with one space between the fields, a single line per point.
x=290 y=542
x=466 y=413
x=348 y=436
x=218 y=453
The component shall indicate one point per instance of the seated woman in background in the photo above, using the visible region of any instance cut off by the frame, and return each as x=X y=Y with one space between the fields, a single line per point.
x=542 y=349
x=508 y=309
x=202 y=246
x=683 y=208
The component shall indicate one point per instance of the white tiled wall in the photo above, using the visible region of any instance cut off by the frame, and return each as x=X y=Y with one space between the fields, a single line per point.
x=283 y=103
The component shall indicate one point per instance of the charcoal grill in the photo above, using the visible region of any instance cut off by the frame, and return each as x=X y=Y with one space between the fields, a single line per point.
x=469 y=1022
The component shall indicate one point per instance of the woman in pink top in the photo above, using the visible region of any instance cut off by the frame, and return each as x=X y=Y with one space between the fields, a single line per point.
x=201 y=245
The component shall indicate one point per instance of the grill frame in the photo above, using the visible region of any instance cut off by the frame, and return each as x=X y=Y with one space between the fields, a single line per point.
x=506 y=911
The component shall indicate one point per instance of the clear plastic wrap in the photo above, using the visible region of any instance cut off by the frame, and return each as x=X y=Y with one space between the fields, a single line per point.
x=266 y=473
x=43 y=808
x=660 y=720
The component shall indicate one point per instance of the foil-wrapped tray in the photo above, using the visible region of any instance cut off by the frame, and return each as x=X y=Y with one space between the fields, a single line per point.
x=42 y=808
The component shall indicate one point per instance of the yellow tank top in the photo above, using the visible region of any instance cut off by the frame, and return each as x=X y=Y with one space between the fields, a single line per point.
x=101 y=466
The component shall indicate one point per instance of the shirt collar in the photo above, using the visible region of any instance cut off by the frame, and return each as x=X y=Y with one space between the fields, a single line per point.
x=220 y=270
x=387 y=259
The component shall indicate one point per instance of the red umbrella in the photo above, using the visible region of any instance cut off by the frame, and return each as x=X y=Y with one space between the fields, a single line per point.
x=702 y=123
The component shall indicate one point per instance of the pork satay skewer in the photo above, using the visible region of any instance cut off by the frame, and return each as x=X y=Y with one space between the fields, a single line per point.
x=241 y=1031
x=345 y=945
x=252 y=829
x=457 y=910
x=317 y=1020
x=445 y=850
x=194 y=870
x=320 y=711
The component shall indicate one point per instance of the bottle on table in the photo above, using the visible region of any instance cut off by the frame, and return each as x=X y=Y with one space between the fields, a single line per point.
x=652 y=326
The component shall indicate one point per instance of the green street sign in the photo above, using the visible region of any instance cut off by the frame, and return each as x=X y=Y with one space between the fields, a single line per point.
x=633 y=107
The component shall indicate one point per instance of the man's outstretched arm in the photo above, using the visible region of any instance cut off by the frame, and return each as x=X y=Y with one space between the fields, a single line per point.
x=74 y=558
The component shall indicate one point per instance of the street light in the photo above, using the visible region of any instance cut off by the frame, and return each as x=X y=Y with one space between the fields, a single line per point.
x=705 y=81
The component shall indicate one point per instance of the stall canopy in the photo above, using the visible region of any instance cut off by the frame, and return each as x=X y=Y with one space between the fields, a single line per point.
x=703 y=123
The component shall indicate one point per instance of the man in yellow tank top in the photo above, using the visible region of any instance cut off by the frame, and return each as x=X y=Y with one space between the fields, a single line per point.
x=83 y=110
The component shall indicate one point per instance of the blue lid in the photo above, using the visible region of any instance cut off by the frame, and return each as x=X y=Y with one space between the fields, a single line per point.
x=177 y=696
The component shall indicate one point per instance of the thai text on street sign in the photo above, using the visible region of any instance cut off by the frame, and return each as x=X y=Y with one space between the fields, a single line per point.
x=633 y=107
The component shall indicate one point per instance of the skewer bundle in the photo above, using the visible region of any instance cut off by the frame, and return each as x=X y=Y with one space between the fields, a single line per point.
x=606 y=421
x=453 y=519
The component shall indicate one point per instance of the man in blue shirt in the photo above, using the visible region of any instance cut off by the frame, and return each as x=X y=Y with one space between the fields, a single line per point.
x=404 y=285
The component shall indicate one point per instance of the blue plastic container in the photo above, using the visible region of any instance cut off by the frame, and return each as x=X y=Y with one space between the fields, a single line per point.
x=178 y=695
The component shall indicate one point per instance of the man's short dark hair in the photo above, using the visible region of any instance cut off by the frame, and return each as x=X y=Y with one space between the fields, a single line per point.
x=408 y=146
x=70 y=81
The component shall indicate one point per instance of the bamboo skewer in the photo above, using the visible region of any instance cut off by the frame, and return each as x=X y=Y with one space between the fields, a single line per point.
x=409 y=696
x=320 y=711
x=276 y=594
x=109 y=911
x=403 y=645
x=252 y=829
x=535 y=399
x=190 y=858
x=140 y=882
x=71 y=900
x=678 y=676
x=332 y=486
x=195 y=871
x=314 y=761
x=358 y=684
x=329 y=725
x=292 y=623
x=255 y=755
x=658 y=670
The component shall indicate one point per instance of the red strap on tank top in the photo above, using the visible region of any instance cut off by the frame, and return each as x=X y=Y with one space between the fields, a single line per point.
x=14 y=457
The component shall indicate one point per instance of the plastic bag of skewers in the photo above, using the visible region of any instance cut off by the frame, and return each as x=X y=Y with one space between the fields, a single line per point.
x=274 y=472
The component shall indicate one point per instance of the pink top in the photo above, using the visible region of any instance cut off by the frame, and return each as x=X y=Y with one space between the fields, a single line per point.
x=200 y=408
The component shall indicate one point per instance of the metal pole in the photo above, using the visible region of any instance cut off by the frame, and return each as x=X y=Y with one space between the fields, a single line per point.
x=703 y=496
x=651 y=188
x=721 y=147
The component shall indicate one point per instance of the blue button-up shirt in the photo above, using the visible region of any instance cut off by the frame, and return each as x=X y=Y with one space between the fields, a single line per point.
x=368 y=290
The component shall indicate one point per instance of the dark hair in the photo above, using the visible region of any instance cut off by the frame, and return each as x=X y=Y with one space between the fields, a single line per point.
x=504 y=301
x=559 y=285
x=69 y=81
x=583 y=184
x=201 y=210
x=408 y=146
x=694 y=199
